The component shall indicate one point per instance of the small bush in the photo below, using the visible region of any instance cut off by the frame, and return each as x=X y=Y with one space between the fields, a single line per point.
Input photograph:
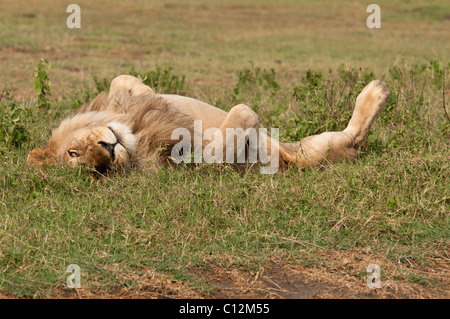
x=251 y=79
x=13 y=132
x=326 y=102
x=160 y=80
x=42 y=83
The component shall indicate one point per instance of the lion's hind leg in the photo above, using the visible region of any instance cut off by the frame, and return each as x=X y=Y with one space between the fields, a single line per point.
x=234 y=134
x=337 y=146
x=368 y=104
x=328 y=147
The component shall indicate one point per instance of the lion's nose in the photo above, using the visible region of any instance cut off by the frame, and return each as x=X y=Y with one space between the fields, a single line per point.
x=110 y=148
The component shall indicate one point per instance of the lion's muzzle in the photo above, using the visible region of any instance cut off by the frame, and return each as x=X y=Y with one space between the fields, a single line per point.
x=110 y=148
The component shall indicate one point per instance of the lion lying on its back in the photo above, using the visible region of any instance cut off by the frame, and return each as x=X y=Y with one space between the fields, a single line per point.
x=131 y=123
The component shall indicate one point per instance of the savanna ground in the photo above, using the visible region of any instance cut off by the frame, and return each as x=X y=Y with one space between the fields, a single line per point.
x=214 y=232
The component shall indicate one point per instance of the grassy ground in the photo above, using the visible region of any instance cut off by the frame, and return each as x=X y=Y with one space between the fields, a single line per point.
x=213 y=231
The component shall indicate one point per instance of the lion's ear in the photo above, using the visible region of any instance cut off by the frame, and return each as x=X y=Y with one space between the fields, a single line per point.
x=40 y=156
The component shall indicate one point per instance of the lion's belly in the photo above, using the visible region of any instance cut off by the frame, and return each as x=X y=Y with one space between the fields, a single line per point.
x=210 y=116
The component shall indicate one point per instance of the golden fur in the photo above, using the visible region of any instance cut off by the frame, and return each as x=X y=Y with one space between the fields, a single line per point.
x=150 y=120
x=131 y=123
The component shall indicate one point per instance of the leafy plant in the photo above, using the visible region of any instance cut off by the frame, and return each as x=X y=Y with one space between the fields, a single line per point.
x=101 y=85
x=13 y=132
x=160 y=80
x=42 y=83
x=326 y=102
x=255 y=77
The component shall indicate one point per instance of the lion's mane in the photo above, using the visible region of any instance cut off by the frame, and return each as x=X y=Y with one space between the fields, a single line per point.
x=150 y=118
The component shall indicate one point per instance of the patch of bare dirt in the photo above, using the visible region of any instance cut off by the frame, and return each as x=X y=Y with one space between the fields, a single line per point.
x=343 y=277
x=281 y=280
x=4 y=295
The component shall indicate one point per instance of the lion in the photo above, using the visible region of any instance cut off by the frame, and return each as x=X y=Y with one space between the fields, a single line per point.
x=127 y=126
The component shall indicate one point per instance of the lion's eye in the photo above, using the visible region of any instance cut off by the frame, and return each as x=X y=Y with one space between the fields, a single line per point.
x=73 y=153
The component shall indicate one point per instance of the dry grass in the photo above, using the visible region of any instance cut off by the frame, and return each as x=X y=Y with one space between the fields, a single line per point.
x=279 y=280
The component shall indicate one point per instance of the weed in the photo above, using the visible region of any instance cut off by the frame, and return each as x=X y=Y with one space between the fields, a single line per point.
x=254 y=77
x=325 y=102
x=13 y=132
x=42 y=83
x=161 y=80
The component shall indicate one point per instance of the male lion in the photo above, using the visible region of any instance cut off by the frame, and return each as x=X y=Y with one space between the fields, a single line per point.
x=131 y=123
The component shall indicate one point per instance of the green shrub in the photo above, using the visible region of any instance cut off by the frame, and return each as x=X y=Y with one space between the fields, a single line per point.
x=42 y=83
x=326 y=102
x=13 y=132
x=255 y=79
x=161 y=80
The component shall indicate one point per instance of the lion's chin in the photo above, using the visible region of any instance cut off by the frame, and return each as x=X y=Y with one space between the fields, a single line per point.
x=122 y=157
x=128 y=141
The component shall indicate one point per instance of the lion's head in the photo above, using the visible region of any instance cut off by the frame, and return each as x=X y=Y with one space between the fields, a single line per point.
x=115 y=131
x=94 y=138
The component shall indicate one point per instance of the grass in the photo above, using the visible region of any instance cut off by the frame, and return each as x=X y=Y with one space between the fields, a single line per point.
x=392 y=203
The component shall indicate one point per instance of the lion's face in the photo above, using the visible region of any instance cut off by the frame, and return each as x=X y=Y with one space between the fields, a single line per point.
x=102 y=147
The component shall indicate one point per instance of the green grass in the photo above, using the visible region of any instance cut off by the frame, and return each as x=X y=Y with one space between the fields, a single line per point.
x=393 y=202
